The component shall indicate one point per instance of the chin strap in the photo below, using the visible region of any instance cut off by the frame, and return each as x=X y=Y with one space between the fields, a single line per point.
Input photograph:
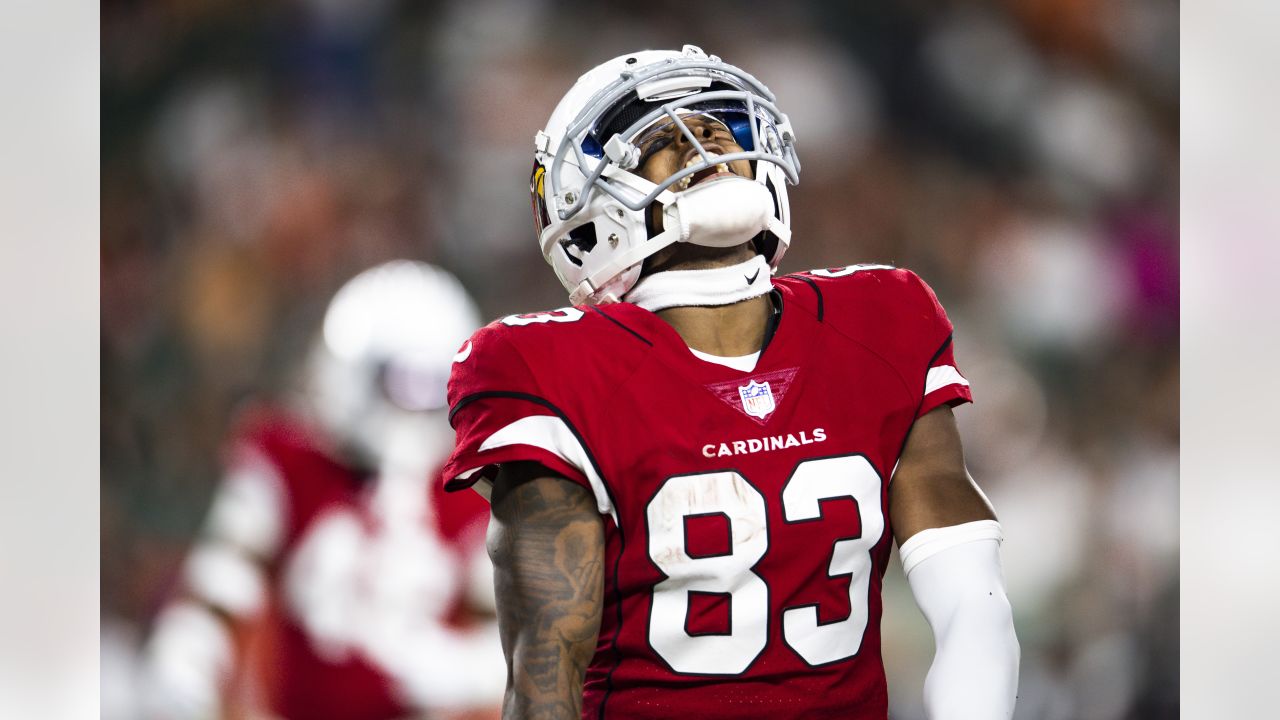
x=708 y=288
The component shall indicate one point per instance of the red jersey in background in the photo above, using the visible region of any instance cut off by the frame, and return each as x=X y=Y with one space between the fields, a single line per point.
x=358 y=565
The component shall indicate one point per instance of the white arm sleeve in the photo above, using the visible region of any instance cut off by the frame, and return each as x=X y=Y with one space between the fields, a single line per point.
x=955 y=575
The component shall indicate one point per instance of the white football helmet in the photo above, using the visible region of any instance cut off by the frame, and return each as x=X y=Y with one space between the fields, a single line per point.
x=590 y=208
x=377 y=375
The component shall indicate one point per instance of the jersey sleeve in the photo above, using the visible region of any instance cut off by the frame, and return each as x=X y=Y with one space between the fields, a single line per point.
x=943 y=383
x=501 y=413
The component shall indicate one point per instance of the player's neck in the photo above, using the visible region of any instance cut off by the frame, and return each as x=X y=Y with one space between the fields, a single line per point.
x=726 y=330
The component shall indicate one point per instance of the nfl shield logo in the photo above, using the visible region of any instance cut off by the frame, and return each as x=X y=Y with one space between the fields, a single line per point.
x=757 y=399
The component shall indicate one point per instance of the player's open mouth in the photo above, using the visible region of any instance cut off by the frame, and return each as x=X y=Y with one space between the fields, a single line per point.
x=715 y=171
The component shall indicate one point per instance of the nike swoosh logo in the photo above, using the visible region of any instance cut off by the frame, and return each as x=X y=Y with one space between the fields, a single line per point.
x=464 y=353
x=753 y=277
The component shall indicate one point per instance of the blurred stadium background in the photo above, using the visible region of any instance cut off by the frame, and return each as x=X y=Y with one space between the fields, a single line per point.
x=1021 y=155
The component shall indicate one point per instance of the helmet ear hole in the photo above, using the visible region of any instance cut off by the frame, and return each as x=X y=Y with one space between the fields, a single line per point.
x=777 y=205
x=766 y=244
x=581 y=240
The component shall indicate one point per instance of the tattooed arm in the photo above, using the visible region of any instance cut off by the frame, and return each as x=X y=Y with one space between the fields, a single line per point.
x=546 y=540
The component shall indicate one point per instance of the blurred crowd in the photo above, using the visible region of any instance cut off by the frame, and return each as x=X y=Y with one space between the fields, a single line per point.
x=1020 y=155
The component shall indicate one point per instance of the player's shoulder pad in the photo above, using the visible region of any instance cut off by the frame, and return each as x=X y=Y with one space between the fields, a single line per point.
x=511 y=353
x=836 y=291
x=529 y=332
x=879 y=305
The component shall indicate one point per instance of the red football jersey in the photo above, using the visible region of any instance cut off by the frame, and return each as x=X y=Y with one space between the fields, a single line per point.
x=339 y=565
x=746 y=517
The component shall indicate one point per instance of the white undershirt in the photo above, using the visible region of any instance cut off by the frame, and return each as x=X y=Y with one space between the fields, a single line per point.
x=742 y=363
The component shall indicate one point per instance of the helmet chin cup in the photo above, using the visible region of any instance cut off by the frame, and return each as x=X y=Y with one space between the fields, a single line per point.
x=723 y=213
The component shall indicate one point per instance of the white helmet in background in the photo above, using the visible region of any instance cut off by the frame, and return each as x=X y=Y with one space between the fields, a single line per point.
x=378 y=374
x=590 y=208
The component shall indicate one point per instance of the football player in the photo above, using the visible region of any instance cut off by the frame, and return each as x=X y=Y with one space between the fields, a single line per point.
x=696 y=471
x=331 y=582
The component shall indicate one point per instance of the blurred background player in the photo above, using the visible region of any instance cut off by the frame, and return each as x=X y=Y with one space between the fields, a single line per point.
x=332 y=578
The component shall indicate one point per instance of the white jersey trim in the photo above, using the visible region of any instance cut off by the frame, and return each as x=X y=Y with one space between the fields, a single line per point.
x=743 y=363
x=942 y=376
x=551 y=434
